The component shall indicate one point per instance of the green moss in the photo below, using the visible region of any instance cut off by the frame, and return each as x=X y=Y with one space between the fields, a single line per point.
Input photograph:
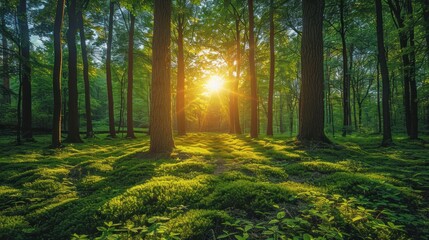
x=156 y=195
x=264 y=172
x=187 y=168
x=247 y=196
x=199 y=223
x=15 y=227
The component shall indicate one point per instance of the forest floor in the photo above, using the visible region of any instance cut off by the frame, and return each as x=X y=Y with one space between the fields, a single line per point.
x=215 y=186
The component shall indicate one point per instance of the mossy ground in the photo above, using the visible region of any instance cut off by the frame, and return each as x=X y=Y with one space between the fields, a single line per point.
x=353 y=190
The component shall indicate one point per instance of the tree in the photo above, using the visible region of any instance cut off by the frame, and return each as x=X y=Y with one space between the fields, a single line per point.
x=402 y=13
x=130 y=124
x=89 y=128
x=272 y=69
x=387 y=135
x=5 y=55
x=110 y=103
x=161 y=135
x=346 y=74
x=311 y=114
x=252 y=75
x=180 y=96
x=56 y=80
x=24 y=36
x=73 y=106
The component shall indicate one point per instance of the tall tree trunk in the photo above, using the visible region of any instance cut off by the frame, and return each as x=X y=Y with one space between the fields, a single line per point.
x=5 y=54
x=110 y=103
x=237 y=127
x=252 y=75
x=387 y=135
x=161 y=135
x=57 y=74
x=426 y=21
x=73 y=106
x=88 y=115
x=346 y=74
x=311 y=114
x=130 y=122
x=414 y=120
x=281 y=117
x=397 y=10
x=406 y=81
x=65 y=112
x=231 y=97
x=272 y=69
x=378 y=98
x=27 y=132
x=291 y=116
x=180 y=96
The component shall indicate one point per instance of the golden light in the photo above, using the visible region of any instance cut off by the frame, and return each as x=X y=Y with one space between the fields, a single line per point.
x=214 y=84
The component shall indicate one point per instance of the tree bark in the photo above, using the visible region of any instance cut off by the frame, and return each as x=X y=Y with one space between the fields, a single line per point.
x=130 y=122
x=426 y=21
x=311 y=114
x=27 y=132
x=73 y=106
x=378 y=98
x=5 y=54
x=414 y=120
x=180 y=96
x=110 y=103
x=88 y=115
x=237 y=128
x=161 y=135
x=346 y=75
x=57 y=74
x=252 y=75
x=272 y=69
x=387 y=135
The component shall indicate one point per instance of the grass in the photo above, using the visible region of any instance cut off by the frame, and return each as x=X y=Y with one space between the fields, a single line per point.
x=215 y=186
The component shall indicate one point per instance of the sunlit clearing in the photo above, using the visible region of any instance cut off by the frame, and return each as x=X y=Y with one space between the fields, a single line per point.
x=214 y=84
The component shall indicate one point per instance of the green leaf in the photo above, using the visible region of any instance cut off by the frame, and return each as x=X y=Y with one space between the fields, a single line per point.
x=307 y=236
x=281 y=215
x=274 y=221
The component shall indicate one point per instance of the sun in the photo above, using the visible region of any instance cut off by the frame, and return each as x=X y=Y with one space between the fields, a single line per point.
x=214 y=84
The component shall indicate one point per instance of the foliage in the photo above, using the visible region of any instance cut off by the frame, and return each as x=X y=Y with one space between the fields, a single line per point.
x=232 y=189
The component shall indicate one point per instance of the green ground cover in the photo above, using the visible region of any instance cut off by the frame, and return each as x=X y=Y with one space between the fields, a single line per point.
x=215 y=186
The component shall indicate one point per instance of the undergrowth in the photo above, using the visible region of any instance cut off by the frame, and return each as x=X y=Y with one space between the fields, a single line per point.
x=215 y=186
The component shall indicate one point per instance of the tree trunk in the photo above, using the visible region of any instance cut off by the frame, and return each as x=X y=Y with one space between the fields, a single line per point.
x=311 y=114
x=426 y=21
x=387 y=135
x=378 y=97
x=89 y=129
x=24 y=36
x=231 y=97
x=130 y=122
x=291 y=113
x=73 y=107
x=110 y=103
x=414 y=120
x=57 y=74
x=346 y=75
x=252 y=75
x=281 y=117
x=161 y=135
x=272 y=69
x=237 y=128
x=65 y=104
x=180 y=96
x=5 y=54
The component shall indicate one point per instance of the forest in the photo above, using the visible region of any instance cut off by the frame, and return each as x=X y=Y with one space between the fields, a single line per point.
x=214 y=119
